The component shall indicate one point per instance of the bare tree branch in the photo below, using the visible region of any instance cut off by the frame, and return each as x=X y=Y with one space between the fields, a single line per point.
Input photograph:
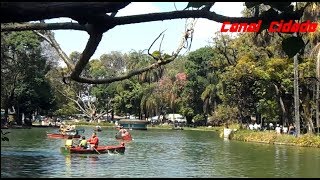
x=160 y=62
x=87 y=108
x=75 y=101
x=161 y=43
x=42 y=26
x=89 y=50
x=52 y=41
x=156 y=58
x=108 y=21
x=32 y=11
x=199 y=14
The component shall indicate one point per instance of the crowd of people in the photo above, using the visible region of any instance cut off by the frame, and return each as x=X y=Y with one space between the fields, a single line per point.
x=279 y=129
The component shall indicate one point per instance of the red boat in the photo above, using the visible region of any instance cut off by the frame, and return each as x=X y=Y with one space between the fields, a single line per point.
x=123 y=134
x=99 y=150
x=66 y=134
x=126 y=137
x=62 y=136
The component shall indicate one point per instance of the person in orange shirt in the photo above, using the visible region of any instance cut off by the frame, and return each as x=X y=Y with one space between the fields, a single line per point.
x=94 y=140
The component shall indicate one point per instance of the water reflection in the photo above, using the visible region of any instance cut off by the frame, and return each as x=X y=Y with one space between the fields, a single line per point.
x=68 y=165
x=80 y=162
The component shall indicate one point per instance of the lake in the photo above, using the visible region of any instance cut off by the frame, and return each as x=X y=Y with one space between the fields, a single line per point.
x=154 y=153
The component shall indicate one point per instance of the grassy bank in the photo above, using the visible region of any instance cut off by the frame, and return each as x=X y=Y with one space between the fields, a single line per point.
x=306 y=140
x=269 y=137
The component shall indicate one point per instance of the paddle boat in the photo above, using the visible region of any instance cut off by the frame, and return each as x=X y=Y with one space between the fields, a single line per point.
x=99 y=150
x=66 y=134
x=98 y=128
x=62 y=136
x=123 y=134
x=126 y=137
x=177 y=128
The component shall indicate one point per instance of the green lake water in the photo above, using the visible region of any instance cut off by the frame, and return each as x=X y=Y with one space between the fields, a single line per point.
x=154 y=153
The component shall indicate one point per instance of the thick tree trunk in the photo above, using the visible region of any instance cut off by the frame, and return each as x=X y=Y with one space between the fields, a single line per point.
x=307 y=117
x=318 y=105
x=282 y=106
x=6 y=110
x=18 y=118
x=318 y=93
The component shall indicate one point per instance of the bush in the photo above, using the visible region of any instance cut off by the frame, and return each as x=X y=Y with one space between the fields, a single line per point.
x=224 y=114
x=200 y=120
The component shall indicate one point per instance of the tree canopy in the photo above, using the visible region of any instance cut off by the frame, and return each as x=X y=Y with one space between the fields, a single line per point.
x=17 y=16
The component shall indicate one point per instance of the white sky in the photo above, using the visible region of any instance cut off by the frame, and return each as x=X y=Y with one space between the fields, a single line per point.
x=125 y=38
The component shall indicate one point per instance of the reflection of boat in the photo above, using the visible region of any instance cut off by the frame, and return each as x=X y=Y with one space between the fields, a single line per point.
x=68 y=165
x=98 y=150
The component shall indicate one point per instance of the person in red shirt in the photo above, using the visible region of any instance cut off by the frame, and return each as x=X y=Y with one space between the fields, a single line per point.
x=123 y=134
x=94 y=140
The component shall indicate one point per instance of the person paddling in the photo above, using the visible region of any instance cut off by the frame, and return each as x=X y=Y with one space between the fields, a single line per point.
x=83 y=142
x=94 y=141
x=123 y=133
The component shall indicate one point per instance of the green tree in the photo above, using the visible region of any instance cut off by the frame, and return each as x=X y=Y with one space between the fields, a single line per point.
x=23 y=70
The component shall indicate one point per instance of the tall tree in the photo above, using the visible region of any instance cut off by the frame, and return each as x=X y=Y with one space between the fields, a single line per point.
x=23 y=70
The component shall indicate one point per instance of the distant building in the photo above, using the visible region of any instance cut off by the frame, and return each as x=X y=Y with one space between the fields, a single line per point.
x=176 y=118
x=133 y=124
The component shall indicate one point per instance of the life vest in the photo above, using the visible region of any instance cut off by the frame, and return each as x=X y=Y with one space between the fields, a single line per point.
x=69 y=142
x=83 y=143
x=94 y=141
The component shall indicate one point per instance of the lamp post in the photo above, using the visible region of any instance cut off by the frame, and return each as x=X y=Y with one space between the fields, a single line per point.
x=108 y=102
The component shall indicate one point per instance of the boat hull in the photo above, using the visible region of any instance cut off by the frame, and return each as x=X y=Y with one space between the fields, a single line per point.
x=100 y=149
x=177 y=128
x=62 y=136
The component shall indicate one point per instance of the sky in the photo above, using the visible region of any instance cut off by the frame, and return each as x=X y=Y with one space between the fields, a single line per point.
x=126 y=38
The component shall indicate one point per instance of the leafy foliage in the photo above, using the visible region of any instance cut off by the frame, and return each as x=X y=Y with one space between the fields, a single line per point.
x=224 y=114
x=23 y=69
